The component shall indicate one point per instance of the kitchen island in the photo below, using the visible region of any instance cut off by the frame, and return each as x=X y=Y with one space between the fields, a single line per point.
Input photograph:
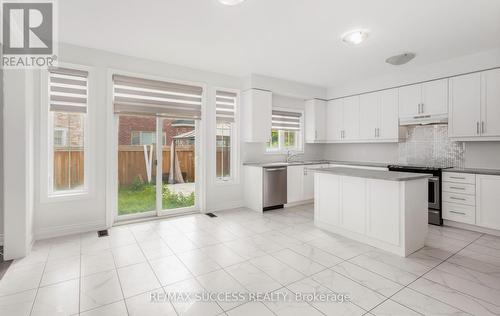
x=385 y=209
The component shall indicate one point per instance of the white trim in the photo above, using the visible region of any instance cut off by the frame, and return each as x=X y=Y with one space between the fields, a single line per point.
x=474 y=228
x=112 y=148
x=301 y=140
x=64 y=230
x=46 y=141
x=235 y=140
x=226 y=206
x=1 y=239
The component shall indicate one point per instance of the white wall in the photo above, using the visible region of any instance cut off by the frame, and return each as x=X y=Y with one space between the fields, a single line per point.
x=1 y=154
x=478 y=155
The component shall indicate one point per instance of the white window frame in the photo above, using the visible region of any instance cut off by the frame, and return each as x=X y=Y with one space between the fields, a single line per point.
x=47 y=138
x=300 y=142
x=64 y=136
x=235 y=141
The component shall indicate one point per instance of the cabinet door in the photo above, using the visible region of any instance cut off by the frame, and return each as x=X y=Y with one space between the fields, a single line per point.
x=352 y=216
x=409 y=99
x=389 y=115
x=488 y=201
x=351 y=118
x=257 y=113
x=315 y=112
x=382 y=213
x=295 y=183
x=490 y=109
x=327 y=199
x=435 y=97
x=465 y=106
x=309 y=182
x=369 y=106
x=334 y=120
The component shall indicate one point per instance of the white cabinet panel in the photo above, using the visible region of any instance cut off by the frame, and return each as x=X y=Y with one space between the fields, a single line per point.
x=352 y=215
x=459 y=213
x=315 y=120
x=309 y=183
x=295 y=183
x=389 y=115
x=465 y=106
x=257 y=110
x=327 y=210
x=410 y=98
x=369 y=108
x=382 y=211
x=335 y=120
x=490 y=109
x=435 y=97
x=488 y=201
x=351 y=118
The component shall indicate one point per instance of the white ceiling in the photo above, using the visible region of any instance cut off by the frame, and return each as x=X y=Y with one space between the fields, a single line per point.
x=291 y=39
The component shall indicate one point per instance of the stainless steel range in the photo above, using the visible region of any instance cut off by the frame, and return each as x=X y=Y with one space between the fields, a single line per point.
x=435 y=205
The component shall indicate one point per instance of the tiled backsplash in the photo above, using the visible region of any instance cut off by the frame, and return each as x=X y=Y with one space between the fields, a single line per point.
x=429 y=145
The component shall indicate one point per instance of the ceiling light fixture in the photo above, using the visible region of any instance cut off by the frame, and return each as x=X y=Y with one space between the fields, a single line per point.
x=400 y=59
x=231 y=2
x=355 y=37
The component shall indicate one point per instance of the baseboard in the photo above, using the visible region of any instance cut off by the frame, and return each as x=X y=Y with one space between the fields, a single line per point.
x=299 y=203
x=474 y=228
x=226 y=206
x=64 y=230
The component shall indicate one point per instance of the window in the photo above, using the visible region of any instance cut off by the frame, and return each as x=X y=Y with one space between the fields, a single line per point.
x=286 y=132
x=68 y=96
x=139 y=138
x=225 y=105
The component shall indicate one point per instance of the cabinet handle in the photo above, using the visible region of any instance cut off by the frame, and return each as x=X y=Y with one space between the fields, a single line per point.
x=455 y=198
x=378 y=132
x=455 y=212
x=483 y=129
x=423 y=108
x=477 y=128
x=457 y=188
x=459 y=178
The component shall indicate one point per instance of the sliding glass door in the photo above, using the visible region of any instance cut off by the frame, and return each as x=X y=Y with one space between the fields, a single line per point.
x=156 y=166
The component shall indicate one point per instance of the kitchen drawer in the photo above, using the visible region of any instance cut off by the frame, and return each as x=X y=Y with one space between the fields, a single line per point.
x=459 y=198
x=460 y=188
x=459 y=213
x=459 y=177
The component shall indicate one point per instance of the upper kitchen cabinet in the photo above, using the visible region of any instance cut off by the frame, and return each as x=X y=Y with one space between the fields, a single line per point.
x=351 y=118
x=475 y=106
x=342 y=116
x=315 y=121
x=379 y=119
x=424 y=102
x=257 y=113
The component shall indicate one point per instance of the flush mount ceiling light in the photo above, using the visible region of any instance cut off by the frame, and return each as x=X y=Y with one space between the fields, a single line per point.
x=400 y=59
x=231 y=2
x=355 y=37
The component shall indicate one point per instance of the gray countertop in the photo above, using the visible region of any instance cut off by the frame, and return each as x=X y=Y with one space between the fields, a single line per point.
x=315 y=162
x=372 y=174
x=494 y=172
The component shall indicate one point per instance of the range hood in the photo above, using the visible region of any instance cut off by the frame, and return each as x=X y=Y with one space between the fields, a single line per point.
x=424 y=120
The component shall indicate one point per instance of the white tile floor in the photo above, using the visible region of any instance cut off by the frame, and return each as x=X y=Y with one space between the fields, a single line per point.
x=457 y=273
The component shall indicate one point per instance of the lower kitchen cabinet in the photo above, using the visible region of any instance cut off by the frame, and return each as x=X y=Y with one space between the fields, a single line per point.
x=382 y=213
x=352 y=214
x=300 y=183
x=488 y=201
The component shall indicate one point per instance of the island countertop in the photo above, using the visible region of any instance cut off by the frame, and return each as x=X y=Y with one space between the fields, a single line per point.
x=372 y=174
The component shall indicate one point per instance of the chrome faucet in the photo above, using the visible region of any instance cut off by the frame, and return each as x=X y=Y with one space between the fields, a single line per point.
x=290 y=155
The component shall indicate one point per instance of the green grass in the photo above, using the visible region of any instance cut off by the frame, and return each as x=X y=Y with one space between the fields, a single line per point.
x=139 y=198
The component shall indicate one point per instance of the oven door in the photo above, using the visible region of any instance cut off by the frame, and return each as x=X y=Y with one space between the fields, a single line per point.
x=434 y=194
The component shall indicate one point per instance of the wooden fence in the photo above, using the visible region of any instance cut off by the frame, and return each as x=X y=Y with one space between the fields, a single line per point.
x=131 y=165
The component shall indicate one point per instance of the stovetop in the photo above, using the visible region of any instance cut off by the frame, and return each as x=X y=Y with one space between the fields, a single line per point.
x=414 y=167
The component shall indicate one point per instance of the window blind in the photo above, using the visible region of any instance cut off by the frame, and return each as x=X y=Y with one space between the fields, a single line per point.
x=151 y=97
x=68 y=90
x=225 y=106
x=286 y=121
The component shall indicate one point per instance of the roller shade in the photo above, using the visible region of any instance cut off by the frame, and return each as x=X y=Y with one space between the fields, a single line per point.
x=68 y=90
x=225 y=106
x=286 y=121
x=151 y=97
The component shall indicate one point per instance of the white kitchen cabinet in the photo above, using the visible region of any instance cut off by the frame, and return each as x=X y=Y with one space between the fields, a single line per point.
x=424 y=99
x=352 y=214
x=308 y=193
x=490 y=107
x=379 y=119
x=351 y=118
x=382 y=211
x=465 y=106
x=327 y=210
x=488 y=201
x=257 y=113
x=335 y=120
x=315 y=121
x=295 y=184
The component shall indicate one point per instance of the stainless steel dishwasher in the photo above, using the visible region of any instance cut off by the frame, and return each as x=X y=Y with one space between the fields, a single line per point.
x=274 y=187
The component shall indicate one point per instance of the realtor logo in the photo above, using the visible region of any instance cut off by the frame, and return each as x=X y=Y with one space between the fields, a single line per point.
x=28 y=34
